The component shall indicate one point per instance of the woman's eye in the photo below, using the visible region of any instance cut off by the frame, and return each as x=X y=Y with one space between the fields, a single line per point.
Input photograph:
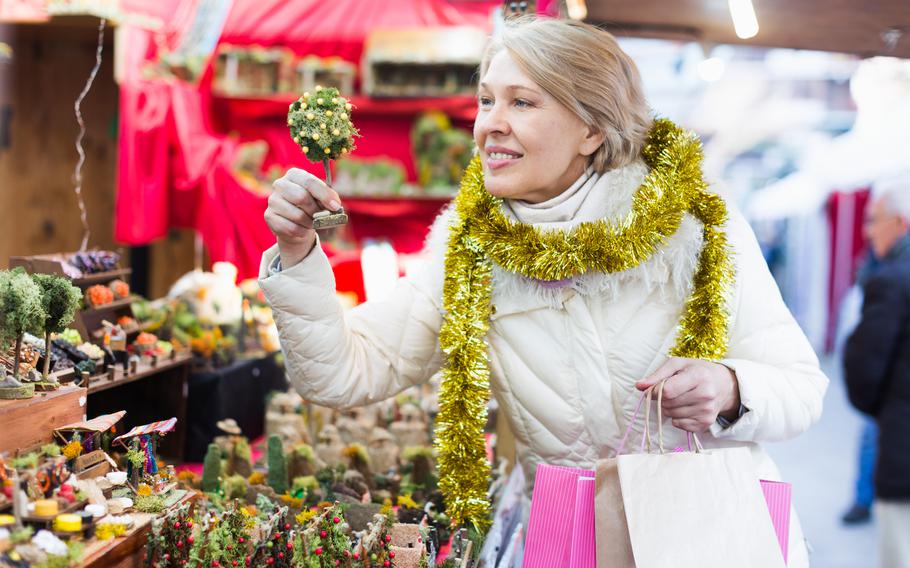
x=484 y=101
x=521 y=103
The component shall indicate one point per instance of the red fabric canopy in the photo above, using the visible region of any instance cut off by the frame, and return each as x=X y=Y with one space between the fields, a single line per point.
x=177 y=141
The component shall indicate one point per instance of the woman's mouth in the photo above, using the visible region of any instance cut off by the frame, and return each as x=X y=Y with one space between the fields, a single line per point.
x=500 y=159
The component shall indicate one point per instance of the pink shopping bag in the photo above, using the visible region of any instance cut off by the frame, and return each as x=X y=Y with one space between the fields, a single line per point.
x=778 y=495
x=583 y=549
x=550 y=525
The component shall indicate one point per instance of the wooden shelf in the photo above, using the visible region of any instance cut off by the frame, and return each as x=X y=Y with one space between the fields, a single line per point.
x=101 y=277
x=256 y=108
x=109 y=307
x=99 y=383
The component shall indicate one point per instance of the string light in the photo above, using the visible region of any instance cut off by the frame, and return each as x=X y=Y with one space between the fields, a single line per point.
x=77 y=175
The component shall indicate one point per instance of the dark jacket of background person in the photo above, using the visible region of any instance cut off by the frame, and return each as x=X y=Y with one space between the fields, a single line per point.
x=877 y=366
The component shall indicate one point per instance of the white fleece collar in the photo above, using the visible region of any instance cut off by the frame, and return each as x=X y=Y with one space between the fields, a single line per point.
x=669 y=270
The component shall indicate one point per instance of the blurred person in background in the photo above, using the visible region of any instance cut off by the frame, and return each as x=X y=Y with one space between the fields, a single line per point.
x=877 y=362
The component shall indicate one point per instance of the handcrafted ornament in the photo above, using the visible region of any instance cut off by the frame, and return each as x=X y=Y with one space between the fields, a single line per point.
x=483 y=235
x=320 y=123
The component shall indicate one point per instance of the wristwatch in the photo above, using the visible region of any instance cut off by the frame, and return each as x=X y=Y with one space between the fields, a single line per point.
x=725 y=423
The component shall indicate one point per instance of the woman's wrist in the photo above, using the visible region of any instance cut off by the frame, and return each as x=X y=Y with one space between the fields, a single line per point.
x=730 y=409
x=293 y=252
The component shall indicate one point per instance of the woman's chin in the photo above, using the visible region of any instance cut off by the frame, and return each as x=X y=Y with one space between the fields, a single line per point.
x=502 y=191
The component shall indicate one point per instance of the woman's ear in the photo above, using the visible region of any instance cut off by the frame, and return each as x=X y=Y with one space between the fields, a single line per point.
x=592 y=141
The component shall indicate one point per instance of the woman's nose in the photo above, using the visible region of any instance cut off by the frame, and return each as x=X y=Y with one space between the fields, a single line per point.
x=494 y=120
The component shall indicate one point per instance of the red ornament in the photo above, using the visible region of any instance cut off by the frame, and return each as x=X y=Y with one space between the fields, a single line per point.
x=323 y=534
x=287 y=526
x=179 y=544
x=189 y=524
x=347 y=553
x=336 y=520
x=249 y=560
x=271 y=560
x=167 y=556
x=177 y=525
x=277 y=536
x=386 y=563
x=391 y=554
x=356 y=556
x=280 y=555
x=318 y=551
x=215 y=563
x=229 y=547
x=233 y=563
x=388 y=538
x=183 y=562
x=240 y=540
x=337 y=562
x=190 y=539
x=290 y=545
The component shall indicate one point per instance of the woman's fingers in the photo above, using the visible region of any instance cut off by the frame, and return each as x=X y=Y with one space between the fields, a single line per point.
x=325 y=195
x=672 y=366
x=283 y=227
x=299 y=214
x=696 y=426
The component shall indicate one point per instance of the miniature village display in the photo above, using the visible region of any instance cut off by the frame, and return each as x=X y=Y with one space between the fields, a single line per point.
x=62 y=502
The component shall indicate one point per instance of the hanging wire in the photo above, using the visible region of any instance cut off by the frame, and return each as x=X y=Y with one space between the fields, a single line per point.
x=77 y=175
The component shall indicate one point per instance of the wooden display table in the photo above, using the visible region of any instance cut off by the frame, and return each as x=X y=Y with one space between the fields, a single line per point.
x=127 y=551
x=31 y=422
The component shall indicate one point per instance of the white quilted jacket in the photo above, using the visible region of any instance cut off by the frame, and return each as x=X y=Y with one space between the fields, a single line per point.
x=564 y=361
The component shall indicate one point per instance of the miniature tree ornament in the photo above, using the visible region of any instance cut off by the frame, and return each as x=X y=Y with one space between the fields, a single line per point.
x=320 y=123
x=21 y=310
x=60 y=300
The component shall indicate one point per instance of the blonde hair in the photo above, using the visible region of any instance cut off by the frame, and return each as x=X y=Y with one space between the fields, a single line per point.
x=587 y=72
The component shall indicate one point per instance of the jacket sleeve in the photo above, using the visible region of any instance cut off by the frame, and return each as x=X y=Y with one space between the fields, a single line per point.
x=780 y=382
x=344 y=359
x=871 y=347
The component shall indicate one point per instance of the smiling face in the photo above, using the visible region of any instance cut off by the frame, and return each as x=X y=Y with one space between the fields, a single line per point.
x=532 y=147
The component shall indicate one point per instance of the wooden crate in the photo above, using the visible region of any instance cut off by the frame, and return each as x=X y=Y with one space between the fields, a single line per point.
x=30 y=422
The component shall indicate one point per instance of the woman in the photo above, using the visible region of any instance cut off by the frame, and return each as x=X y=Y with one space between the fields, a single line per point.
x=583 y=248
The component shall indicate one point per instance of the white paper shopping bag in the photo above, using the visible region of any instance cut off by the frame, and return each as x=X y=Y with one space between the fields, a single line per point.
x=697 y=510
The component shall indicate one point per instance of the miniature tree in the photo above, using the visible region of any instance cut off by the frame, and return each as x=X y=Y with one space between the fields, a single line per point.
x=211 y=469
x=278 y=468
x=276 y=547
x=328 y=543
x=60 y=300
x=373 y=549
x=21 y=310
x=228 y=543
x=170 y=540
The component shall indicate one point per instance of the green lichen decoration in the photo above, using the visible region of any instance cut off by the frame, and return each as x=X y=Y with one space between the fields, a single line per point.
x=211 y=469
x=320 y=123
x=60 y=300
x=148 y=503
x=21 y=310
x=278 y=467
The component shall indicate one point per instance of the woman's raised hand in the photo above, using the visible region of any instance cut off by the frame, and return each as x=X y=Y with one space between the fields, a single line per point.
x=696 y=392
x=297 y=196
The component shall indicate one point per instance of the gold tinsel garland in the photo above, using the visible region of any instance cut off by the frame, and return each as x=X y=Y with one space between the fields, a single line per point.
x=482 y=235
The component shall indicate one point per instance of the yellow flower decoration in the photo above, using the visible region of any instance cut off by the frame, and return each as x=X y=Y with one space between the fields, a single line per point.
x=72 y=450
